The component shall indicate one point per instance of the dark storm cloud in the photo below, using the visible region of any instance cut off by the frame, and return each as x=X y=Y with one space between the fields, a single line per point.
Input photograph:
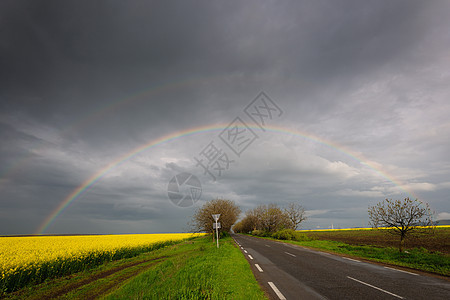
x=100 y=47
x=65 y=59
x=82 y=83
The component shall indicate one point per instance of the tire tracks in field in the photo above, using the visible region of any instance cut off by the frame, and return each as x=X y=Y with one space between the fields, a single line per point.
x=95 y=293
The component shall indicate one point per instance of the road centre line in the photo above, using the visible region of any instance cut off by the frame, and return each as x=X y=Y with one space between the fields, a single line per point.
x=402 y=271
x=350 y=259
x=377 y=288
x=249 y=256
x=277 y=291
x=267 y=246
x=259 y=268
x=290 y=254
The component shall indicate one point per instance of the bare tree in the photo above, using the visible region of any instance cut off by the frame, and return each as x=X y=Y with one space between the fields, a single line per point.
x=401 y=217
x=229 y=212
x=247 y=224
x=295 y=213
x=240 y=227
x=250 y=221
x=271 y=218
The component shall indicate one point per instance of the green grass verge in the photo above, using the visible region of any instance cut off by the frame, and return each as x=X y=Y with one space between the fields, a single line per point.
x=200 y=271
x=417 y=258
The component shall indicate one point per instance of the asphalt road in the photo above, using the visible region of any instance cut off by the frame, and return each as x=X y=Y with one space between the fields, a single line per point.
x=292 y=272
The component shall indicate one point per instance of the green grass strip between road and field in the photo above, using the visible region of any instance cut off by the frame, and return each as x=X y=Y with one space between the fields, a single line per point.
x=199 y=271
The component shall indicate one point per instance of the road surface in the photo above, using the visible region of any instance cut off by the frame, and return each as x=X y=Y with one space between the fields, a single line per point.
x=292 y=272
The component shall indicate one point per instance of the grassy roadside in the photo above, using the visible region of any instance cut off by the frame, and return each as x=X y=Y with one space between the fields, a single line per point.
x=200 y=271
x=418 y=258
x=192 y=269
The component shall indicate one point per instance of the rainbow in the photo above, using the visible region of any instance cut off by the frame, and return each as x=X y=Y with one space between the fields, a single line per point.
x=113 y=106
x=89 y=182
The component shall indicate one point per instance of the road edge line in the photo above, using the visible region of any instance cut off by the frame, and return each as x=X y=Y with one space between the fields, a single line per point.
x=259 y=268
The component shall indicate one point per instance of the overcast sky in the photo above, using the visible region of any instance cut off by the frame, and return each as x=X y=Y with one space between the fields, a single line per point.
x=84 y=83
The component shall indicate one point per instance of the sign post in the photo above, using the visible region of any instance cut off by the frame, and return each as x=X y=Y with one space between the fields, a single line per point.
x=216 y=218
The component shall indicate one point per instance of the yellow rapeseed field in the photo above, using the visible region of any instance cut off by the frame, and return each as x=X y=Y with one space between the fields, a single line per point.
x=34 y=259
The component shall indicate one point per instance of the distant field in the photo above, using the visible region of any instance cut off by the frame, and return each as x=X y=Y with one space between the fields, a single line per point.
x=438 y=241
x=33 y=259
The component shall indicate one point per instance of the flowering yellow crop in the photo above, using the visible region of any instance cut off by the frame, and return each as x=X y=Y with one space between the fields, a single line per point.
x=33 y=259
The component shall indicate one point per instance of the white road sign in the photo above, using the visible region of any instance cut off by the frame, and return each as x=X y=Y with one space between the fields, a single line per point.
x=216 y=217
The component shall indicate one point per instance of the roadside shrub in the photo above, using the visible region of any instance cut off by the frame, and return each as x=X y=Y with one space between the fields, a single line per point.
x=301 y=237
x=223 y=234
x=257 y=232
x=290 y=235
x=284 y=234
x=260 y=233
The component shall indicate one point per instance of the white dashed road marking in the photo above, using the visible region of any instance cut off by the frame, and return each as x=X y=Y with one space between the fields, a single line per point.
x=249 y=256
x=290 y=254
x=377 y=288
x=277 y=291
x=259 y=268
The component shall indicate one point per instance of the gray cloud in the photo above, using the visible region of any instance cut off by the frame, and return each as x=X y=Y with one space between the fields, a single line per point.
x=83 y=84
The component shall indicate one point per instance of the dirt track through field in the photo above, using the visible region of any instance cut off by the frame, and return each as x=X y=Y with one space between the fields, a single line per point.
x=121 y=276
